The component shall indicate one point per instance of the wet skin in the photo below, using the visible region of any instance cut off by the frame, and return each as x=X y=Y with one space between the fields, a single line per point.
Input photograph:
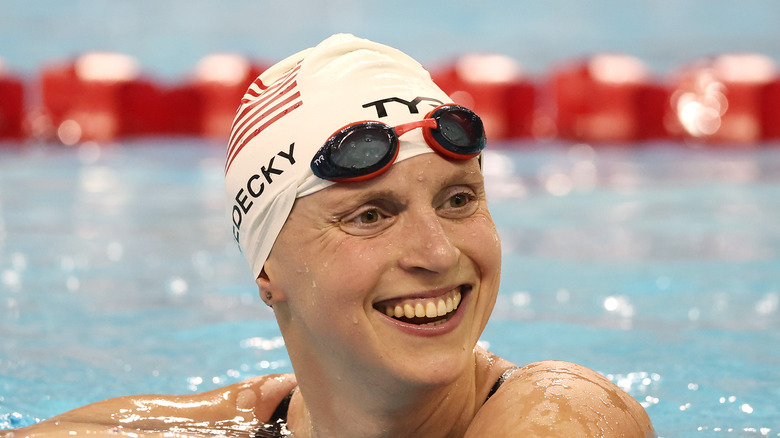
x=417 y=234
x=413 y=235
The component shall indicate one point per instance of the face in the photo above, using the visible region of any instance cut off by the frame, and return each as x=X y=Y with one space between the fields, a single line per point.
x=395 y=276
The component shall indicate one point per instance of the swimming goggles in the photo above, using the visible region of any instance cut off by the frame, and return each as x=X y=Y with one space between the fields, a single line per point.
x=363 y=150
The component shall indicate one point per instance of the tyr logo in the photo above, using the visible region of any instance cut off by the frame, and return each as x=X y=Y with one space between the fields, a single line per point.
x=412 y=105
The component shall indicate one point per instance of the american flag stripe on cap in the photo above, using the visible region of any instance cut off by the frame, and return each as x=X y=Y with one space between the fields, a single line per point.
x=262 y=106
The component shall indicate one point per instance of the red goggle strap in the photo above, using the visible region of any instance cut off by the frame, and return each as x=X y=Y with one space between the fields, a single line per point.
x=424 y=123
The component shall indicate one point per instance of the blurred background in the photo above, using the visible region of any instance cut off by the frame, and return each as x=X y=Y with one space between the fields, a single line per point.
x=168 y=37
x=633 y=173
x=560 y=51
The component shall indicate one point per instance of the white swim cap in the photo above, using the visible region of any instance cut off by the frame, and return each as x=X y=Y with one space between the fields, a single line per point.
x=289 y=112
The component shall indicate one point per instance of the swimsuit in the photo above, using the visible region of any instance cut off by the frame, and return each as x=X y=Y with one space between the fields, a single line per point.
x=500 y=382
x=276 y=426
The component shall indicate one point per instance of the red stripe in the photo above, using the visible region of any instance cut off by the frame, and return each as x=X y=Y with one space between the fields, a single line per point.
x=260 y=83
x=254 y=93
x=270 y=95
x=251 y=93
x=244 y=118
x=270 y=111
x=263 y=87
x=265 y=125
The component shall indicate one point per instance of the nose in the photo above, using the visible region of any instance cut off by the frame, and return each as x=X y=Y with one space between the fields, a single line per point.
x=427 y=245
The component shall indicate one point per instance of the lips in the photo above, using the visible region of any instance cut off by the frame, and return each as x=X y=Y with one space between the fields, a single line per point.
x=424 y=311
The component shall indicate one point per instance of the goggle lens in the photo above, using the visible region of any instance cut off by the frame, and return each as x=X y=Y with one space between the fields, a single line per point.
x=460 y=132
x=362 y=148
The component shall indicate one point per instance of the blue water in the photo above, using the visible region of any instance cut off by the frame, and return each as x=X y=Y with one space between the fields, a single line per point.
x=657 y=265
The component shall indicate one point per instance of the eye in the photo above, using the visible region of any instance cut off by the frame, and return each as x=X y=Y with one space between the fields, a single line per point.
x=459 y=200
x=368 y=220
x=369 y=216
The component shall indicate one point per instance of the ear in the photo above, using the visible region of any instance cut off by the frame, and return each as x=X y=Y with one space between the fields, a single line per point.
x=269 y=293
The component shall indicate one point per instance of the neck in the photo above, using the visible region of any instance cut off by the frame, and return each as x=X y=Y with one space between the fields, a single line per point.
x=364 y=406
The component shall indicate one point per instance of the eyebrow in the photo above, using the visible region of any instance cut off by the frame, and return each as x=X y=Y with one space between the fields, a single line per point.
x=464 y=177
x=362 y=195
x=349 y=199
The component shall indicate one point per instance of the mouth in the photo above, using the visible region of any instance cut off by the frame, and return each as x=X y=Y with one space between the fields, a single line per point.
x=424 y=312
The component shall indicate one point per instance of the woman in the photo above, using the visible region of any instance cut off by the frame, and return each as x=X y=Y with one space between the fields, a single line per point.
x=381 y=269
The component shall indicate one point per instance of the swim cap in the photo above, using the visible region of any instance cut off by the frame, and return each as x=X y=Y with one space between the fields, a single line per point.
x=289 y=112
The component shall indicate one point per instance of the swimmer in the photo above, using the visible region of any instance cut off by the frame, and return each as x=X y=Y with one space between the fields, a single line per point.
x=356 y=194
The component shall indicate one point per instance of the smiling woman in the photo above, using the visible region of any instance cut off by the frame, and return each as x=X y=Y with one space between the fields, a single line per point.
x=382 y=267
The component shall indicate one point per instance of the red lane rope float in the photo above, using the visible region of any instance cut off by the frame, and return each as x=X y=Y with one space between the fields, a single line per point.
x=11 y=105
x=603 y=98
x=496 y=88
x=220 y=82
x=607 y=98
x=103 y=96
x=770 y=112
x=730 y=98
x=92 y=98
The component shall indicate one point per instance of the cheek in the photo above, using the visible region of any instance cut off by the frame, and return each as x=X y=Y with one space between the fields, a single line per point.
x=346 y=272
x=361 y=262
x=480 y=241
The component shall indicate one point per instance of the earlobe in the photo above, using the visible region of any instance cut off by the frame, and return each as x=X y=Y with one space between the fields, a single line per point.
x=268 y=294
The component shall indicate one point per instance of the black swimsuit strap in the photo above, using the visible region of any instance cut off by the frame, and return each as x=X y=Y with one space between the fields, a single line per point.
x=280 y=414
x=500 y=381
x=273 y=427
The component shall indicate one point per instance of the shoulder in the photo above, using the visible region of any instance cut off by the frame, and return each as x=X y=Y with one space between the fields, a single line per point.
x=235 y=406
x=257 y=395
x=553 y=398
x=261 y=394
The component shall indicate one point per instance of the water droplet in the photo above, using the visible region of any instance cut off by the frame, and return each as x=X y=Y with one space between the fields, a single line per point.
x=521 y=299
x=768 y=304
x=10 y=278
x=114 y=251
x=178 y=286
x=619 y=305
x=562 y=296
x=18 y=261
x=67 y=264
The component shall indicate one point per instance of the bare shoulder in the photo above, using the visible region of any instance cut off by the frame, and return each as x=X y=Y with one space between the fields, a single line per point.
x=240 y=406
x=553 y=398
x=260 y=394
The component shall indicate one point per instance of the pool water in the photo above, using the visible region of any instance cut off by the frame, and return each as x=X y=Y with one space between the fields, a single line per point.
x=657 y=265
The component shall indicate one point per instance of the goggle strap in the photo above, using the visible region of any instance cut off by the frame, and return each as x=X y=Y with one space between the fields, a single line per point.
x=424 y=123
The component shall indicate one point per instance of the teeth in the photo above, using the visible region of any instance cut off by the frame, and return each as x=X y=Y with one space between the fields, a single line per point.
x=427 y=308
x=430 y=310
